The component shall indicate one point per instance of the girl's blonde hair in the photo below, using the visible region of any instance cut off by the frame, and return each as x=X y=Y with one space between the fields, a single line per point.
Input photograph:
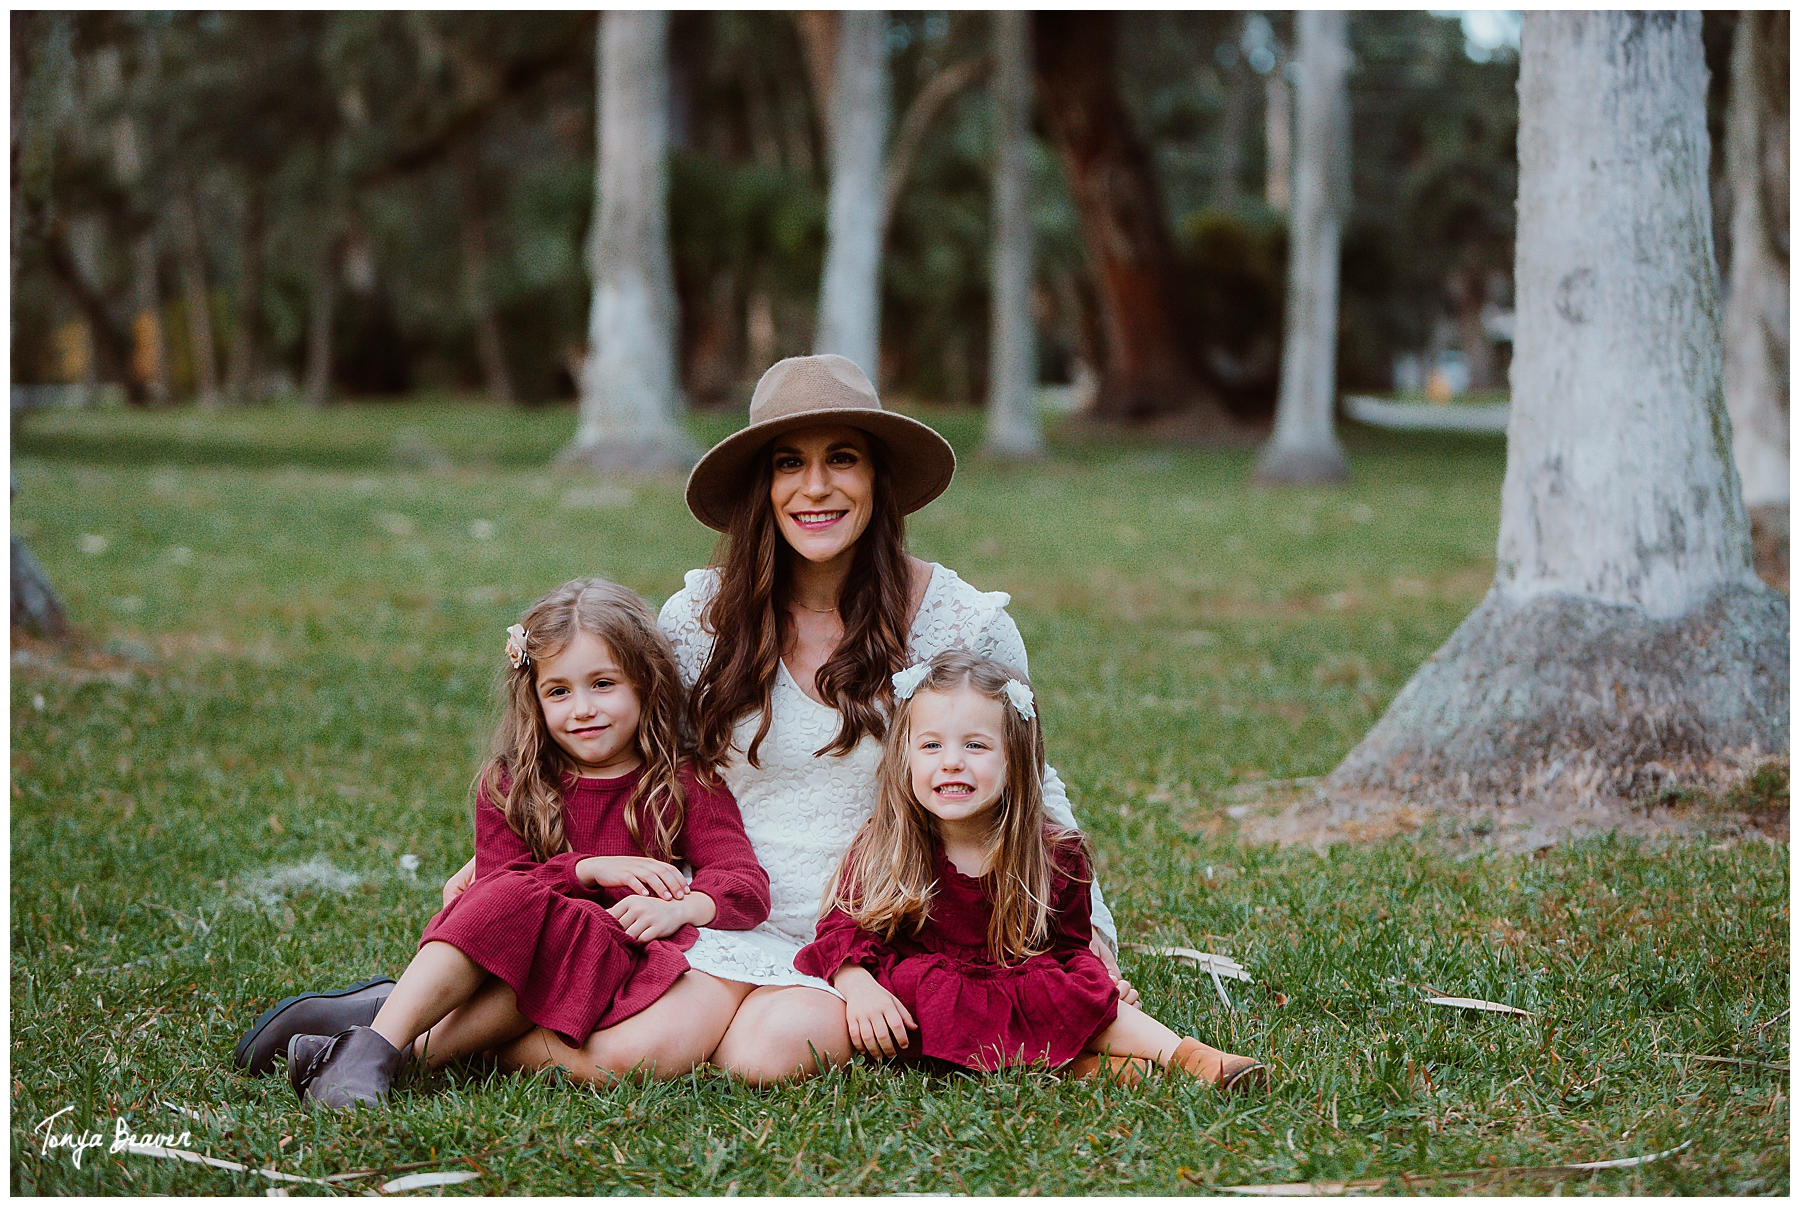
x=527 y=773
x=885 y=879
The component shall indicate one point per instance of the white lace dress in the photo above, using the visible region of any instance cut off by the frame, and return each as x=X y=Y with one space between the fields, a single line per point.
x=801 y=811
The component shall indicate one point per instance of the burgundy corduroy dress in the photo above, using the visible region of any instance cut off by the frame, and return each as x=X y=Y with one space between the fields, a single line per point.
x=971 y=1010
x=539 y=929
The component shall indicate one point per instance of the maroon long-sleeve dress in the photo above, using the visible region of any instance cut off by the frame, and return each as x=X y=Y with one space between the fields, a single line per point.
x=971 y=1010
x=539 y=929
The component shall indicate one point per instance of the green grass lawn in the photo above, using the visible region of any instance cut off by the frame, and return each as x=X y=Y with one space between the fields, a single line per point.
x=290 y=633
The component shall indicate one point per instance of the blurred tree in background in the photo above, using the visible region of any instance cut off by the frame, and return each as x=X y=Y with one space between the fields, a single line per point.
x=232 y=206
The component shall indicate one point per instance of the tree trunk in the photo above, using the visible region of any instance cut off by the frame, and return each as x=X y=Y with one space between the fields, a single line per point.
x=818 y=31
x=629 y=392
x=193 y=286
x=1304 y=447
x=1146 y=370
x=112 y=356
x=1012 y=356
x=1468 y=290
x=34 y=601
x=488 y=346
x=1625 y=640
x=850 y=291
x=245 y=381
x=1756 y=315
x=1278 y=139
x=320 y=316
x=149 y=347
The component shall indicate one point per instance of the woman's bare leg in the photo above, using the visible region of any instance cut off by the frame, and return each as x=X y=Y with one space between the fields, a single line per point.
x=783 y=1032
x=669 y=1038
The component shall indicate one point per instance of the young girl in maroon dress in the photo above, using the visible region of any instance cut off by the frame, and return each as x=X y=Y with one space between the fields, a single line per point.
x=959 y=913
x=581 y=814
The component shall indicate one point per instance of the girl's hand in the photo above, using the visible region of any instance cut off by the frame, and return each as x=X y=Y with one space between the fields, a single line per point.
x=646 y=918
x=1127 y=992
x=454 y=886
x=878 y=1020
x=649 y=877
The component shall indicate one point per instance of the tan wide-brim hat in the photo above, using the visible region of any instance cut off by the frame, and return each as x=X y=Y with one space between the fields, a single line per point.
x=818 y=391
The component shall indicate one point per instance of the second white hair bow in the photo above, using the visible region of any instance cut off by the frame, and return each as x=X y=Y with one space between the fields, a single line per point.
x=907 y=682
x=1021 y=698
x=515 y=645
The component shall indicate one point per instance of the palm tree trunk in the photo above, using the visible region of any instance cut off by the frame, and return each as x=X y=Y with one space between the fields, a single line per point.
x=630 y=397
x=1304 y=446
x=1626 y=641
x=850 y=291
x=1012 y=355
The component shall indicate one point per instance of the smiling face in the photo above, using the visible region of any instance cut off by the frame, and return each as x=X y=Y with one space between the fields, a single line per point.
x=823 y=490
x=956 y=757
x=590 y=709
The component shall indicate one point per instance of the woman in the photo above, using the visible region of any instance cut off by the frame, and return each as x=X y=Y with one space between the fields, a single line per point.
x=786 y=647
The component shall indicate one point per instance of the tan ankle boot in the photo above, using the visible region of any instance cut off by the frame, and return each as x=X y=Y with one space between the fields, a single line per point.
x=1218 y=1068
x=1125 y=1070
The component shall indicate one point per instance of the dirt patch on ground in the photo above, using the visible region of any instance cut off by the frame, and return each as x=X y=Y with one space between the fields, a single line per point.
x=1291 y=813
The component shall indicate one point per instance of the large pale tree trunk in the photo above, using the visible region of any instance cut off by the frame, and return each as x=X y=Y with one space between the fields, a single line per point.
x=1756 y=315
x=850 y=291
x=1625 y=640
x=1145 y=370
x=1012 y=355
x=1304 y=446
x=630 y=397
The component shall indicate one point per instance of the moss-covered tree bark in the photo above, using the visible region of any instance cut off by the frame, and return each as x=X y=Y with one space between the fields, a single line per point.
x=1626 y=641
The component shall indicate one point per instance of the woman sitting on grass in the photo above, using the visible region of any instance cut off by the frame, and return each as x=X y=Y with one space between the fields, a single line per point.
x=962 y=914
x=787 y=646
x=577 y=917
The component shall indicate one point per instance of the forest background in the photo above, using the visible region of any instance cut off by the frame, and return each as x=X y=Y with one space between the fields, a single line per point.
x=404 y=198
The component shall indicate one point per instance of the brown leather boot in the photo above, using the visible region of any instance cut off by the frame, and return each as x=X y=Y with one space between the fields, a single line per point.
x=1125 y=1070
x=353 y=1068
x=1218 y=1068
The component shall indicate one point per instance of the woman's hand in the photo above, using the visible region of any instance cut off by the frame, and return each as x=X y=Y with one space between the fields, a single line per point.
x=454 y=886
x=1127 y=992
x=878 y=1021
x=645 y=918
x=650 y=877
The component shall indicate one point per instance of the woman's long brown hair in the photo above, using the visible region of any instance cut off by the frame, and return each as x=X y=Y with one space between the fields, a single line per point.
x=748 y=619
x=885 y=879
x=528 y=773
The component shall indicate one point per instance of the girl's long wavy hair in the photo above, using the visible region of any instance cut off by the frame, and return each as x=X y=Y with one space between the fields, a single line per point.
x=749 y=623
x=527 y=773
x=885 y=879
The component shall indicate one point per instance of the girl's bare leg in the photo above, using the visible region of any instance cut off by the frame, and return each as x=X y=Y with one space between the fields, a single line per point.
x=439 y=979
x=1135 y=1033
x=488 y=1020
x=782 y=1032
x=669 y=1038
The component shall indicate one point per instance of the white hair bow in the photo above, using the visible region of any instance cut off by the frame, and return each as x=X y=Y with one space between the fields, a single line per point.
x=1021 y=698
x=515 y=645
x=907 y=682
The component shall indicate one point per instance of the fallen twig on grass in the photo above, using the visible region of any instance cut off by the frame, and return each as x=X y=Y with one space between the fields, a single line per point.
x=1217 y=965
x=1359 y=1185
x=1475 y=1003
x=1767 y=1021
x=194 y=1158
x=440 y=1177
x=1726 y=1060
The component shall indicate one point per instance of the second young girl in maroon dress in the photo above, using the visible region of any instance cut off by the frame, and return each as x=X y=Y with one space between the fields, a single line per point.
x=960 y=915
x=581 y=815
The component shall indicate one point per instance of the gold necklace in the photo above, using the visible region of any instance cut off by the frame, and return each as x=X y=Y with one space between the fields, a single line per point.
x=809 y=608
